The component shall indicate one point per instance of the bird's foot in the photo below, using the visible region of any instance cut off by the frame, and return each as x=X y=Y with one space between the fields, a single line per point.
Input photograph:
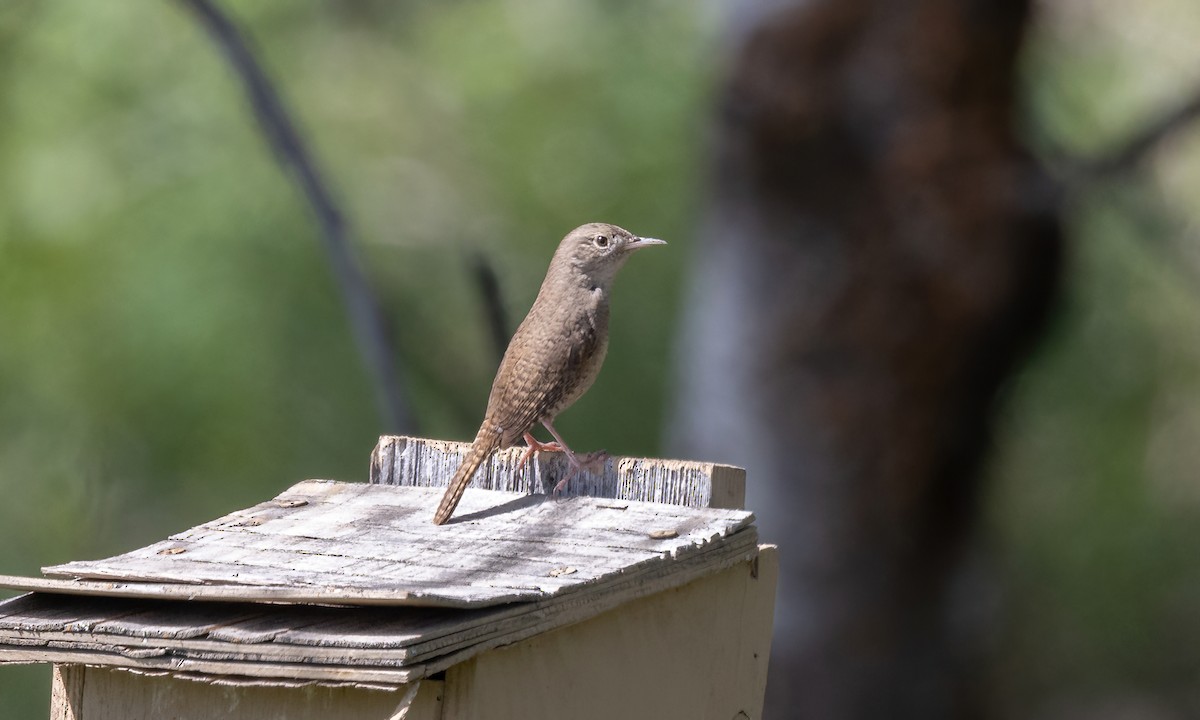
x=562 y=484
x=536 y=446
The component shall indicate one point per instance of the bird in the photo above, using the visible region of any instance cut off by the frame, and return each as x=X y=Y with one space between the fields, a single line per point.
x=554 y=356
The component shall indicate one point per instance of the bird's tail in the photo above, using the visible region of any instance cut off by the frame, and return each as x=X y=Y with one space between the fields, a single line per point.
x=486 y=443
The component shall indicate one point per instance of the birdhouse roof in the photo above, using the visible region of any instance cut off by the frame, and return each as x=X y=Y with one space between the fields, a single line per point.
x=350 y=582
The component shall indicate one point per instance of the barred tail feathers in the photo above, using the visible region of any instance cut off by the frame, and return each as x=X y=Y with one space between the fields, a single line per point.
x=485 y=444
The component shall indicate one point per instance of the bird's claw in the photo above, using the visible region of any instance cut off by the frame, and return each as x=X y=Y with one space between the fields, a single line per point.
x=536 y=446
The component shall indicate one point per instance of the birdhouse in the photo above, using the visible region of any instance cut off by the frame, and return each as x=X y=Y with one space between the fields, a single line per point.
x=644 y=594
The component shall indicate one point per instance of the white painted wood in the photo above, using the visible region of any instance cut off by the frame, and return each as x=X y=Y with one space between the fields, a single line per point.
x=419 y=462
x=109 y=694
x=698 y=652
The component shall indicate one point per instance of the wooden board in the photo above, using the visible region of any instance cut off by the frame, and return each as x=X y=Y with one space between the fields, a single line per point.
x=391 y=597
x=351 y=543
x=91 y=693
x=418 y=462
x=646 y=660
x=331 y=644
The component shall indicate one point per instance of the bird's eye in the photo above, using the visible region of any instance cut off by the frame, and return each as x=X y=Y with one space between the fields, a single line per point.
x=601 y=241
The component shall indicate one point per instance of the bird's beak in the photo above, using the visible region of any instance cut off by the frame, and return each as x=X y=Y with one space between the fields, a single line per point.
x=640 y=242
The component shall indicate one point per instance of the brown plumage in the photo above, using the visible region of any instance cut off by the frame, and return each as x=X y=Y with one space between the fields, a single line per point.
x=556 y=353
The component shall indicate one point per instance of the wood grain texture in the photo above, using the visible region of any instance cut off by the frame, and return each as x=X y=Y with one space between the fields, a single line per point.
x=405 y=598
x=397 y=599
x=419 y=462
x=352 y=543
x=379 y=645
x=66 y=692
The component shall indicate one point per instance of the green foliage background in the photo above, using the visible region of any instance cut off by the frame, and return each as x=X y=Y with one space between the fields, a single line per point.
x=172 y=346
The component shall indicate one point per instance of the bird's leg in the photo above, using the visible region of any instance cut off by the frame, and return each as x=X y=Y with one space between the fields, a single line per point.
x=575 y=462
x=536 y=445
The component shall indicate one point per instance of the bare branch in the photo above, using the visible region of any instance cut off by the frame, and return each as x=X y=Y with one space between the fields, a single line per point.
x=493 y=302
x=366 y=318
x=1127 y=157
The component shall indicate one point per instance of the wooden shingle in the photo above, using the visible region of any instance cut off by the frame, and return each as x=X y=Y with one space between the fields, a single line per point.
x=373 y=593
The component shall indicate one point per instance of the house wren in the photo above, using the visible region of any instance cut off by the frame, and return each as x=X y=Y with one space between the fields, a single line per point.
x=555 y=354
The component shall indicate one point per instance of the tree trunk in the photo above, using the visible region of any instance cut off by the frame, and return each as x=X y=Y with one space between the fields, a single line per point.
x=878 y=254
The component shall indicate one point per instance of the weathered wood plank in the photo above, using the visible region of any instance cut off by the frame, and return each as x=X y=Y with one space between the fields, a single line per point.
x=649 y=651
x=318 y=635
x=163 y=620
x=348 y=596
x=32 y=613
x=66 y=693
x=302 y=671
x=350 y=543
x=222 y=593
x=411 y=598
x=420 y=462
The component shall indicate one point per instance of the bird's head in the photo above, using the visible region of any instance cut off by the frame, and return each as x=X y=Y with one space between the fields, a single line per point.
x=598 y=250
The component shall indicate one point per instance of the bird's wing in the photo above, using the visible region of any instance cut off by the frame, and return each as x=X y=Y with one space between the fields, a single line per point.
x=541 y=374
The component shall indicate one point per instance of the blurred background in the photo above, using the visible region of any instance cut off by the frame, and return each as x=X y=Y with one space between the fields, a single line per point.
x=173 y=345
